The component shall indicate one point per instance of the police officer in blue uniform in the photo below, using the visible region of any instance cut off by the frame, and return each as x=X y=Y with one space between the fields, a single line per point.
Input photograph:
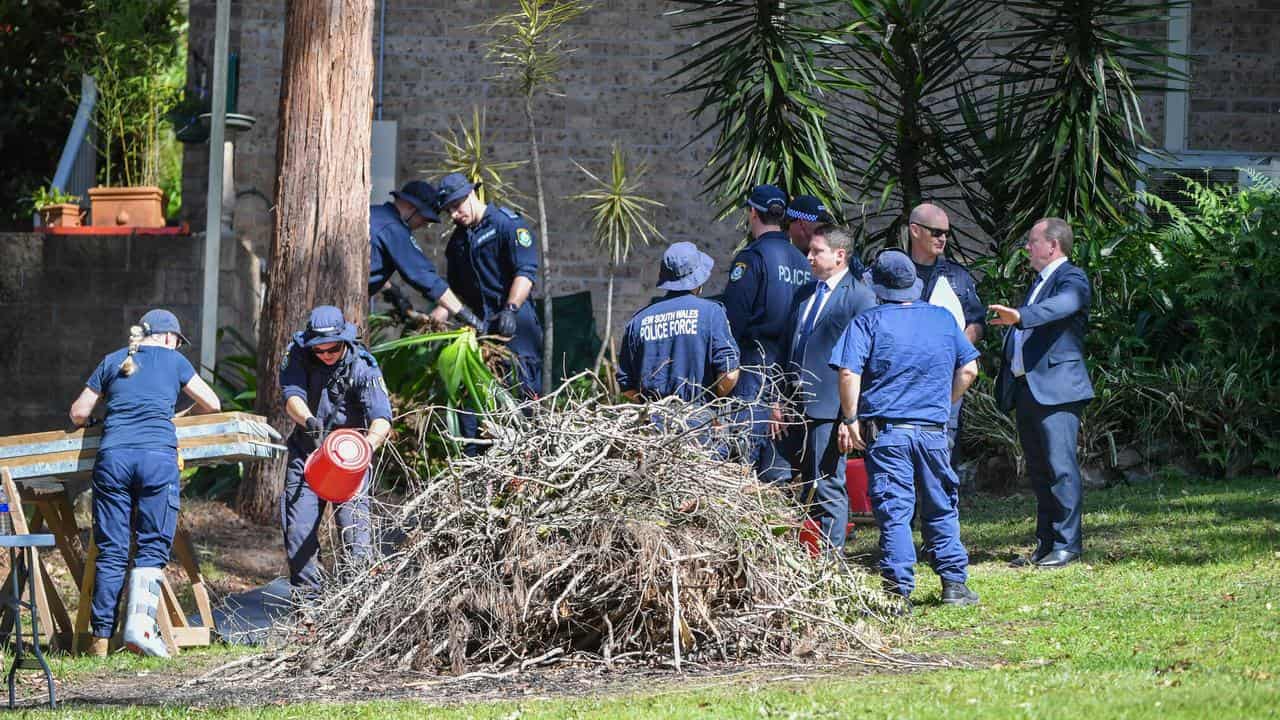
x=805 y=213
x=493 y=262
x=902 y=364
x=393 y=249
x=135 y=474
x=763 y=282
x=927 y=233
x=680 y=345
x=328 y=381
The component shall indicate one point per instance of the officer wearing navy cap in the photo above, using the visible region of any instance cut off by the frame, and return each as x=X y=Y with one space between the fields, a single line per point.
x=762 y=285
x=135 y=473
x=328 y=381
x=805 y=213
x=680 y=345
x=493 y=261
x=902 y=364
x=393 y=249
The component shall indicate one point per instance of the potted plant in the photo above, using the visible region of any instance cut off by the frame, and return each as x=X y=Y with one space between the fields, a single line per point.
x=56 y=208
x=132 y=49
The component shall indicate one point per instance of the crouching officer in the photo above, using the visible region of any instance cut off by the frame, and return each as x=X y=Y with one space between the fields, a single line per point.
x=902 y=364
x=393 y=249
x=135 y=474
x=762 y=285
x=329 y=381
x=680 y=345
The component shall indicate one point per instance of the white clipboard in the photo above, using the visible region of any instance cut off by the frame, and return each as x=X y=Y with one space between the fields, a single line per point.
x=945 y=297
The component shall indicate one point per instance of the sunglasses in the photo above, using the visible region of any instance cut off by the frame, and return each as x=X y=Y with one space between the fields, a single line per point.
x=326 y=352
x=935 y=232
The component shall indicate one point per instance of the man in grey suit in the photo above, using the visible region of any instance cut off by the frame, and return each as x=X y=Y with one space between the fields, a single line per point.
x=1044 y=380
x=821 y=312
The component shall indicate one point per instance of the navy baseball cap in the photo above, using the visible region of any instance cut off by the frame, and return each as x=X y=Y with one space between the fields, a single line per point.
x=684 y=267
x=162 y=321
x=808 y=207
x=327 y=325
x=893 y=277
x=422 y=196
x=453 y=187
x=766 y=198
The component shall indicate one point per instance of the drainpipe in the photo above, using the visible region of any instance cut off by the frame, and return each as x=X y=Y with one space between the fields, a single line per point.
x=213 y=201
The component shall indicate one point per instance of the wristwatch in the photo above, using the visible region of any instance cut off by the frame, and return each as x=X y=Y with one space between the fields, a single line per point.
x=849 y=421
x=513 y=307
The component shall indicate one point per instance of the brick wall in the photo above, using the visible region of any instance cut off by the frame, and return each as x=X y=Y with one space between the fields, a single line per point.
x=67 y=300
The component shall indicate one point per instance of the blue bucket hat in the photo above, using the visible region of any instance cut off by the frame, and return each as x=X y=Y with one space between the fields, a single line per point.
x=893 y=277
x=422 y=196
x=327 y=325
x=684 y=267
x=453 y=187
x=162 y=321
x=766 y=198
x=808 y=207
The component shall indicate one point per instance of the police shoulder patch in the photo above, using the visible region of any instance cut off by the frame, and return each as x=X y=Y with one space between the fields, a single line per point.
x=738 y=269
x=524 y=237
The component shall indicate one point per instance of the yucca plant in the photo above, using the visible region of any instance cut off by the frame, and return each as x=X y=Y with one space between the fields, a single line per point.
x=766 y=75
x=1081 y=66
x=463 y=151
x=620 y=217
x=529 y=48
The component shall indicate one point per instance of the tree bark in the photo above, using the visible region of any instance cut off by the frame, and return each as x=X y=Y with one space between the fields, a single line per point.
x=320 y=239
x=544 y=263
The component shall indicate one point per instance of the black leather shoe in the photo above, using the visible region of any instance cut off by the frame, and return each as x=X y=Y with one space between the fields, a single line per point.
x=1057 y=559
x=954 y=593
x=1029 y=560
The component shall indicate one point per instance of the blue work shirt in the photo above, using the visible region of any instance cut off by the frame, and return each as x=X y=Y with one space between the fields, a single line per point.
x=348 y=394
x=962 y=283
x=763 y=283
x=483 y=263
x=392 y=249
x=907 y=355
x=140 y=406
x=679 y=346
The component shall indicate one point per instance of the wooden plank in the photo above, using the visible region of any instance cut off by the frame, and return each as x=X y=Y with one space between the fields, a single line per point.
x=69 y=535
x=170 y=604
x=191 y=636
x=20 y=527
x=186 y=554
x=82 y=634
x=186 y=426
x=211 y=450
x=166 y=628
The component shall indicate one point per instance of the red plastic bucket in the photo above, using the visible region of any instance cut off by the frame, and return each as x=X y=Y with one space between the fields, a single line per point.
x=811 y=536
x=855 y=481
x=336 y=469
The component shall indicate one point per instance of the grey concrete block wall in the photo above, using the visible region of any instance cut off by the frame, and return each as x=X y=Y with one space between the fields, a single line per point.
x=67 y=300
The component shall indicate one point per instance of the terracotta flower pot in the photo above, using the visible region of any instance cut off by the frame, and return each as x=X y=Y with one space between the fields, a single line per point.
x=134 y=206
x=61 y=215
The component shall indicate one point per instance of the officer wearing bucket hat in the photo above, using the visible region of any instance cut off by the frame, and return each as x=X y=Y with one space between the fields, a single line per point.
x=763 y=283
x=393 y=249
x=135 y=474
x=902 y=364
x=680 y=345
x=328 y=381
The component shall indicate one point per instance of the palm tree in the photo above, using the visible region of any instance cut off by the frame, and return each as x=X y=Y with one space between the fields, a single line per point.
x=619 y=216
x=528 y=49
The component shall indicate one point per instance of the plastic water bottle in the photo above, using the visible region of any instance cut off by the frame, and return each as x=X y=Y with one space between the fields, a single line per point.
x=6 y=522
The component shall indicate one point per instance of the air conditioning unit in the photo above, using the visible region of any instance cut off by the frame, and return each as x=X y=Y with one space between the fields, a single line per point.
x=1164 y=175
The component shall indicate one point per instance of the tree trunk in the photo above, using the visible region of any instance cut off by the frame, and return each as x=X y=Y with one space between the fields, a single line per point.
x=544 y=262
x=608 y=317
x=320 y=240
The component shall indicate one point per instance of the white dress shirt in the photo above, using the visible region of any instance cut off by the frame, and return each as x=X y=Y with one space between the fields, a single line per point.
x=832 y=282
x=1019 y=335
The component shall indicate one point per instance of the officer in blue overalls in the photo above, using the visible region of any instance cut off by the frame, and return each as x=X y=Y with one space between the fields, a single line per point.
x=493 y=261
x=763 y=283
x=393 y=249
x=680 y=345
x=328 y=381
x=928 y=232
x=902 y=364
x=135 y=474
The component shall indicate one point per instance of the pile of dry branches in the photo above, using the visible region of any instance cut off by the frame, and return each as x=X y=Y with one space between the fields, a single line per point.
x=589 y=531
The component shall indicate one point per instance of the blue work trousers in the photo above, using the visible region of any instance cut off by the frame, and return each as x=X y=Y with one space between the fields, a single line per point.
x=301 y=511
x=901 y=462
x=134 y=491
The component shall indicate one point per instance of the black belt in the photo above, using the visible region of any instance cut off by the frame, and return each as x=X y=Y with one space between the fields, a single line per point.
x=883 y=425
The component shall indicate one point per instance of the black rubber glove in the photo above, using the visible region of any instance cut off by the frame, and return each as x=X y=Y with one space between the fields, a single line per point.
x=504 y=323
x=314 y=428
x=468 y=317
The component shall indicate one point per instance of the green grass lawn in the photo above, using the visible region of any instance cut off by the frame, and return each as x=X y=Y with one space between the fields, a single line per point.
x=1175 y=613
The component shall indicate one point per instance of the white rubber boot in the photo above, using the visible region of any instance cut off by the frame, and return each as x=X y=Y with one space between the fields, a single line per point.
x=141 y=634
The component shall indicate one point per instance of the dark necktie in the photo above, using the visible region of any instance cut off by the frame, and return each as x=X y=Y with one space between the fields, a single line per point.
x=1032 y=290
x=802 y=339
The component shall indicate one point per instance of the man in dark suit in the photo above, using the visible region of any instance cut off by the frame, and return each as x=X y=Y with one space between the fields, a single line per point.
x=1044 y=380
x=821 y=312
